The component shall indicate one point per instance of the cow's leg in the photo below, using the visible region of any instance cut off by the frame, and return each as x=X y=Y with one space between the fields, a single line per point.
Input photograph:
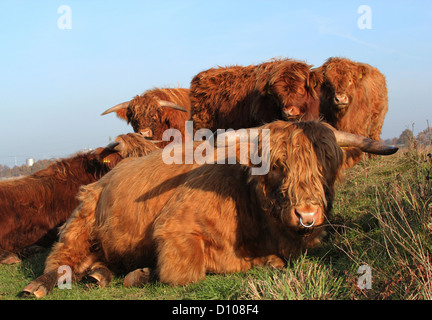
x=137 y=278
x=79 y=259
x=73 y=250
x=7 y=257
x=180 y=258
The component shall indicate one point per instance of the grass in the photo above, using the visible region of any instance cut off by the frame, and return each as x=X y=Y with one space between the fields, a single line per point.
x=382 y=218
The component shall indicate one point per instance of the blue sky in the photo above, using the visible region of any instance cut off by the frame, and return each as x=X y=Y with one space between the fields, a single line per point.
x=54 y=83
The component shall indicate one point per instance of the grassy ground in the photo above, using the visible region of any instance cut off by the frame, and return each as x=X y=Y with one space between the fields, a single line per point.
x=382 y=220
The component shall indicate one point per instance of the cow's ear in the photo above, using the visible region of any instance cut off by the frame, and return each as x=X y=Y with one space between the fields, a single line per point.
x=108 y=157
x=122 y=114
x=363 y=71
x=112 y=160
x=314 y=81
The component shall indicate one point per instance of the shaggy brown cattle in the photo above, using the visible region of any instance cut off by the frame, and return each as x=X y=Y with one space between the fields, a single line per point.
x=353 y=99
x=188 y=219
x=243 y=97
x=155 y=111
x=33 y=207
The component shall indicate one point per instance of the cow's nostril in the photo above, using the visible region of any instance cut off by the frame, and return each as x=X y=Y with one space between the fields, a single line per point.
x=341 y=99
x=307 y=215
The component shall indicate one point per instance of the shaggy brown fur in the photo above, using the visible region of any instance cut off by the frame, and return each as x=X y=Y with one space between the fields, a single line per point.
x=188 y=219
x=33 y=207
x=147 y=117
x=242 y=97
x=353 y=99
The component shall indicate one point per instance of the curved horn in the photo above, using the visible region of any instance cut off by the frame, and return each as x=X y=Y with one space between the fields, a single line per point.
x=115 y=146
x=120 y=106
x=345 y=139
x=169 y=104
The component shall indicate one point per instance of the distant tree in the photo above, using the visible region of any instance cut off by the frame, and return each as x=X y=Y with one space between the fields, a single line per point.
x=425 y=137
x=25 y=170
x=39 y=165
x=389 y=141
x=15 y=171
x=6 y=172
x=406 y=138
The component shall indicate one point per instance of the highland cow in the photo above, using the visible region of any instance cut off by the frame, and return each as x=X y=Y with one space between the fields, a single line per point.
x=185 y=220
x=353 y=99
x=33 y=207
x=243 y=97
x=155 y=111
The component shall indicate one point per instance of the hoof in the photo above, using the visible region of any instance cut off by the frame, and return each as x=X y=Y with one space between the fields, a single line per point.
x=36 y=289
x=7 y=257
x=275 y=262
x=10 y=259
x=102 y=275
x=42 y=285
x=137 y=278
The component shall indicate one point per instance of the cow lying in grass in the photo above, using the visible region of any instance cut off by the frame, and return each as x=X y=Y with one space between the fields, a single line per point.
x=185 y=220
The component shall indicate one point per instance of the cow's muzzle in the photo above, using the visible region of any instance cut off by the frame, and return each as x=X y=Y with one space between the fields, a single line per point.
x=307 y=216
x=309 y=225
x=147 y=133
x=341 y=100
x=291 y=111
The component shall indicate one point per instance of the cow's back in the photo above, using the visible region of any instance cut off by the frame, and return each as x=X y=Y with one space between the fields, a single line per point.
x=221 y=96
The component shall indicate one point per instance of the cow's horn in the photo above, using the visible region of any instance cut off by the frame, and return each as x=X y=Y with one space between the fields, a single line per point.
x=120 y=106
x=172 y=105
x=115 y=145
x=345 y=139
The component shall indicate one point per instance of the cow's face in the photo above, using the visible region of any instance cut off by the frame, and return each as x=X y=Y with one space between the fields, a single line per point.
x=134 y=145
x=295 y=87
x=151 y=117
x=124 y=146
x=342 y=78
x=305 y=164
x=146 y=119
